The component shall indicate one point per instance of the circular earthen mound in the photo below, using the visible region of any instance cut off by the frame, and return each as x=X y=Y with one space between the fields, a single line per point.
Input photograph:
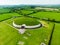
x=26 y=20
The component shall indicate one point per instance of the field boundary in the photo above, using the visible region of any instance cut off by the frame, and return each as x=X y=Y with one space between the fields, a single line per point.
x=49 y=43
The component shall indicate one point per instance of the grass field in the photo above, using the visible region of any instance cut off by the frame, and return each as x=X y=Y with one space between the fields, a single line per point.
x=8 y=15
x=4 y=10
x=44 y=32
x=46 y=15
x=56 y=35
x=9 y=35
x=36 y=35
x=26 y=11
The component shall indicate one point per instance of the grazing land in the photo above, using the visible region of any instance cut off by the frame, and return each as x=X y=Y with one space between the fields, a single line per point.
x=48 y=34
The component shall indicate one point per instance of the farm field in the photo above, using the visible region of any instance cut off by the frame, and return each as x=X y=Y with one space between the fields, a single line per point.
x=26 y=11
x=4 y=10
x=8 y=16
x=56 y=35
x=9 y=35
x=46 y=15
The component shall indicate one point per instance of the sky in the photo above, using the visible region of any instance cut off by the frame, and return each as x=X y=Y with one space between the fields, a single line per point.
x=17 y=2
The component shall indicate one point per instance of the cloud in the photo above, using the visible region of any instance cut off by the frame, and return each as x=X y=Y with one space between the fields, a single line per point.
x=16 y=2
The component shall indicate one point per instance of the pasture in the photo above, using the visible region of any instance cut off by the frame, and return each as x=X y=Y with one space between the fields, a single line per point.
x=9 y=35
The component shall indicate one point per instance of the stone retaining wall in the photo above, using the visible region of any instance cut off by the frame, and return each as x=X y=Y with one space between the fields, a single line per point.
x=19 y=26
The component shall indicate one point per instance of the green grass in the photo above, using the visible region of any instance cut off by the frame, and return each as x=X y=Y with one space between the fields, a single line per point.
x=8 y=35
x=8 y=15
x=51 y=15
x=4 y=10
x=37 y=35
x=26 y=20
x=56 y=35
x=26 y=11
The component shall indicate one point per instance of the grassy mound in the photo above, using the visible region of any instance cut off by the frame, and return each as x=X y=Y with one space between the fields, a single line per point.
x=26 y=20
